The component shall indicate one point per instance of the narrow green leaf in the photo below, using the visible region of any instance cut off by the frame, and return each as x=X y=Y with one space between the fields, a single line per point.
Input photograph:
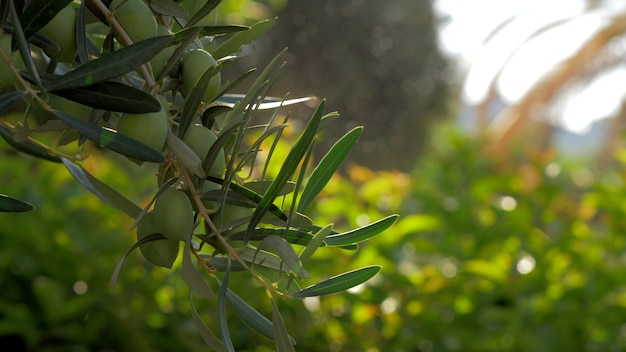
x=362 y=233
x=118 y=267
x=203 y=12
x=112 y=96
x=289 y=166
x=111 y=65
x=167 y=8
x=12 y=205
x=110 y=139
x=38 y=13
x=207 y=335
x=267 y=103
x=339 y=283
x=281 y=336
x=210 y=31
x=22 y=44
x=8 y=99
x=191 y=275
x=232 y=45
x=327 y=167
x=102 y=190
x=185 y=155
x=315 y=243
x=288 y=256
x=27 y=146
x=221 y=312
x=249 y=315
x=81 y=35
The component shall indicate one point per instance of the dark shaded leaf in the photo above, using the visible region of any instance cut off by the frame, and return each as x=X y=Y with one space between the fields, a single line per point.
x=81 y=35
x=12 y=205
x=207 y=335
x=22 y=44
x=27 y=146
x=111 y=65
x=8 y=99
x=339 y=283
x=221 y=30
x=38 y=13
x=112 y=96
x=110 y=139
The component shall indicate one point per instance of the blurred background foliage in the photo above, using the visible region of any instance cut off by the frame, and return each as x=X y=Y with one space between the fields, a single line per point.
x=524 y=253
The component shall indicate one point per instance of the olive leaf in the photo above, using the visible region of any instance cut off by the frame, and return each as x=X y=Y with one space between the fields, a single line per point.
x=110 y=139
x=13 y=205
x=339 y=283
x=362 y=233
x=111 y=65
x=232 y=45
x=112 y=96
x=38 y=13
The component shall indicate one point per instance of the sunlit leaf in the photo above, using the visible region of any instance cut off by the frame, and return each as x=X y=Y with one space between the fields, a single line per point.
x=315 y=243
x=289 y=167
x=112 y=96
x=266 y=104
x=111 y=65
x=110 y=139
x=232 y=45
x=221 y=30
x=339 y=283
x=362 y=233
x=327 y=167
x=281 y=336
x=13 y=205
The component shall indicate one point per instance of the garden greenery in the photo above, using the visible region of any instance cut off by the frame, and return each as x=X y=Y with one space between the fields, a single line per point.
x=143 y=80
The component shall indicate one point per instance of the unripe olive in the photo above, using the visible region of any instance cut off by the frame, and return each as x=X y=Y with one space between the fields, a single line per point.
x=136 y=18
x=173 y=214
x=200 y=139
x=149 y=129
x=62 y=30
x=161 y=253
x=6 y=75
x=193 y=64
x=158 y=62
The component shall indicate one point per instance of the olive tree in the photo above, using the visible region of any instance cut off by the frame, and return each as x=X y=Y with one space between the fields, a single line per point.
x=142 y=79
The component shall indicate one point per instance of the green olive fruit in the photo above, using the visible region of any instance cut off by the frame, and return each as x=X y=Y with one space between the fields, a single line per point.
x=158 y=62
x=193 y=64
x=208 y=186
x=200 y=139
x=69 y=107
x=161 y=253
x=232 y=218
x=136 y=18
x=6 y=75
x=149 y=129
x=173 y=214
x=62 y=30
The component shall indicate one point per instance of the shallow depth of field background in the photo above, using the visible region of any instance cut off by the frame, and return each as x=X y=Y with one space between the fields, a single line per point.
x=509 y=239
